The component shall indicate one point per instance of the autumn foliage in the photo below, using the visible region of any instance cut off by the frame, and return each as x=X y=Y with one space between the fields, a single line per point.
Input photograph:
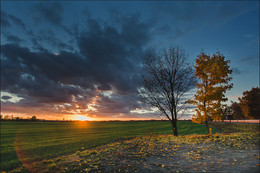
x=213 y=73
x=250 y=103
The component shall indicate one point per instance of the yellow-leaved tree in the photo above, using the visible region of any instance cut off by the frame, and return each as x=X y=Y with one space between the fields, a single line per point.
x=214 y=74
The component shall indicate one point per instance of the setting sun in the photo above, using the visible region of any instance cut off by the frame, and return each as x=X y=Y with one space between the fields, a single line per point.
x=81 y=118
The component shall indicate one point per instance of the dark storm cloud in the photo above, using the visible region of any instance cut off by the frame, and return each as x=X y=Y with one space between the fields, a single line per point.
x=47 y=37
x=108 y=60
x=41 y=74
x=7 y=19
x=13 y=38
x=118 y=104
x=6 y=97
x=114 y=54
x=17 y=21
x=4 y=20
x=51 y=12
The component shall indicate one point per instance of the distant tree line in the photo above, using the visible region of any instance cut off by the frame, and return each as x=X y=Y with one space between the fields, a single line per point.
x=13 y=118
x=247 y=108
x=33 y=118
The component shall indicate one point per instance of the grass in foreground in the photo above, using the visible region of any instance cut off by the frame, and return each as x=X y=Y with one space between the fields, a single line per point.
x=32 y=142
x=230 y=152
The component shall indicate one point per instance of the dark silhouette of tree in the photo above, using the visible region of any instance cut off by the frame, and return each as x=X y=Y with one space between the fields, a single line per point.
x=33 y=118
x=17 y=118
x=250 y=103
x=6 y=117
x=213 y=73
x=237 y=113
x=166 y=78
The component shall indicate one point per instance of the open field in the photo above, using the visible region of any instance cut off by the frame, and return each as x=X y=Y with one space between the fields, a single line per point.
x=128 y=147
x=228 y=152
x=38 y=141
x=236 y=149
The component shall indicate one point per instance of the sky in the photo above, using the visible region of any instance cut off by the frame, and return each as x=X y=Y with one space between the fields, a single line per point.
x=83 y=59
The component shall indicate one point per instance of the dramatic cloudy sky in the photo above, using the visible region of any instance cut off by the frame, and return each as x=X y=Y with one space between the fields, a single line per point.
x=66 y=59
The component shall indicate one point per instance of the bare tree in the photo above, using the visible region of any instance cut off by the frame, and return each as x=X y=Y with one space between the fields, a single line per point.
x=166 y=79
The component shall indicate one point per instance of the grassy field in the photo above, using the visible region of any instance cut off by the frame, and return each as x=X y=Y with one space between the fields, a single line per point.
x=36 y=141
x=232 y=151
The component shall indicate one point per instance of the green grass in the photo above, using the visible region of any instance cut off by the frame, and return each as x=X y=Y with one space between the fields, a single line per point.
x=36 y=141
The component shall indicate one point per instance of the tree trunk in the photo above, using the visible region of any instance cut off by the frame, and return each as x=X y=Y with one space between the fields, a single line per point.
x=207 y=126
x=207 y=118
x=174 y=128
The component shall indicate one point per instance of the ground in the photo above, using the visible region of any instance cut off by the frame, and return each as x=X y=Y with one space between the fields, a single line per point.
x=226 y=152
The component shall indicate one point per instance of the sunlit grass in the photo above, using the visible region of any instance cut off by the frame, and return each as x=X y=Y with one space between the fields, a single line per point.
x=44 y=140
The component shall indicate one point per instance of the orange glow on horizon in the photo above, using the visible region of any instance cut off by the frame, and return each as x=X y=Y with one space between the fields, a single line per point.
x=78 y=117
x=124 y=119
